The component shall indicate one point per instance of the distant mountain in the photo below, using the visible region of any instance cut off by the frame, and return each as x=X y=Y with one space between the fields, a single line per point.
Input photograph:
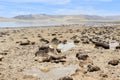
x=113 y=17
x=29 y=17
x=44 y=16
x=65 y=17
x=2 y=18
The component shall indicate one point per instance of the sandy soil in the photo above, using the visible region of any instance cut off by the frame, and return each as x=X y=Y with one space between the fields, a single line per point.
x=85 y=61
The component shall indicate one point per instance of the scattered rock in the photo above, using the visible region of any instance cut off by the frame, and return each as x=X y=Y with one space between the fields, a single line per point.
x=25 y=42
x=3 y=34
x=55 y=41
x=104 y=75
x=43 y=51
x=118 y=47
x=25 y=38
x=76 y=41
x=82 y=56
x=52 y=59
x=44 y=40
x=1 y=57
x=64 y=41
x=84 y=64
x=32 y=43
x=113 y=62
x=86 y=42
x=58 y=50
x=99 y=44
x=74 y=37
x=59 y=34
x=39 y=36
x=92 y=68
x=81 y=71
x=18 y=42
x=66 y=78
x=53 y=34
x=3 y=53
x=55 y=59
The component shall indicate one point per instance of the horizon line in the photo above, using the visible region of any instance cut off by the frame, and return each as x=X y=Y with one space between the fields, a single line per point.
x=59 y=15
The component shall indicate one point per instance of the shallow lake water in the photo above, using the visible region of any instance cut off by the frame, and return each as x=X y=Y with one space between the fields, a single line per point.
x=36 y=24
x=26 y=24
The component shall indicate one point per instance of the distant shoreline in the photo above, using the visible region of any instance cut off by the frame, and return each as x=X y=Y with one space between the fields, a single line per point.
x=55 y=24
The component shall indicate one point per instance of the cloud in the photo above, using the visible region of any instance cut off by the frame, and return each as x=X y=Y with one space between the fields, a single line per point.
x=43 y=1
x=83 y=10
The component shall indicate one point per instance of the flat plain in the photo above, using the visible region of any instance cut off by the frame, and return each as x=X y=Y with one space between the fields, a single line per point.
x=25 y=55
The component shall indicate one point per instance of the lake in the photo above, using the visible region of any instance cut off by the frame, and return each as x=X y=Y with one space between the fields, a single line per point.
x=35 y=24
x=25 y=24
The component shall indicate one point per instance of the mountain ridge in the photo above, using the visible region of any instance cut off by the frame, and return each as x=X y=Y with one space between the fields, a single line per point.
x=46 y=17
x=67 y=17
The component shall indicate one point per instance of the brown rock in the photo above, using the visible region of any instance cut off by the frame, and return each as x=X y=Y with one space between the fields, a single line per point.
x=1 y=57
x=55 y=59
x=64 y=41
x=104 y=75
x=82 y=56
x=39 y=36
x=3 y=53
x=76 y=41
x=25 y=42
x=44 y=40
x=81 y=71
x=32 y=43
x=53 y=34
x=42 y=51
x=99 y=44
x=55 y=41
x=113 y=62
x=84 y=64
x=66 y=78
x=92 y=68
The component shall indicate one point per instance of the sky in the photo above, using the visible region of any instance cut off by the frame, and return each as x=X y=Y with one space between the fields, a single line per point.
x=11 y=8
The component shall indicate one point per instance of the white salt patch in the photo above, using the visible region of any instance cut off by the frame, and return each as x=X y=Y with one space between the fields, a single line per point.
x=113 y=45
x=66 y=47
x=53 y=74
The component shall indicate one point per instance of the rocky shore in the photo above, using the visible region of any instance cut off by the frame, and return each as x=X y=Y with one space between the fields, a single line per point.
x=25 y=53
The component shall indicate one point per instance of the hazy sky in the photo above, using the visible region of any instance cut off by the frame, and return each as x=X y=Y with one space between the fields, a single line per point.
x=10 y=8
